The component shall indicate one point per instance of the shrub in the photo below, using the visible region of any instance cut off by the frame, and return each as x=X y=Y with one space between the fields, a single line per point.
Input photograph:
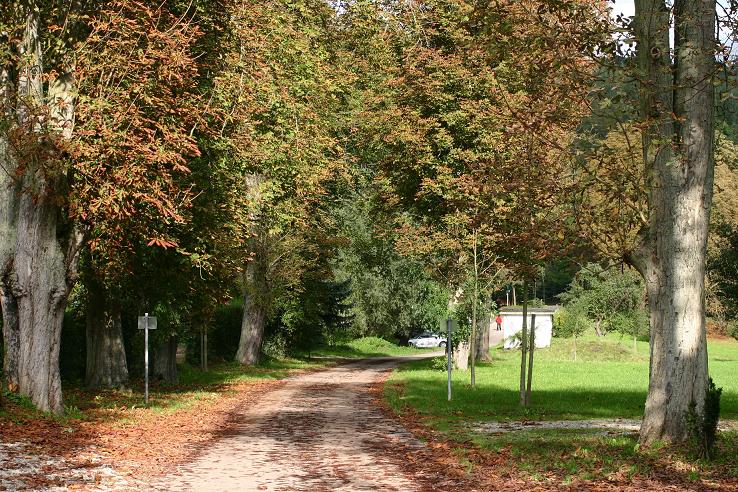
x=439 y=363
x=275 y=346
x=703 y=428
x=733 y=329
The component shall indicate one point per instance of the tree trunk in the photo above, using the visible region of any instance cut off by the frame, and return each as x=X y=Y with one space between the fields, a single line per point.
x=524 y=343
x=461 y=355
x=9 y=192
x=204 y=348
x=598 y=331
x=11 y=341
x=165 y=361
x=677 y=106
x=252 y=332
x=483 y=340
x=530 y=359
x=474 y=346
x=38 y=250
x=40 y=288
x=106 y=356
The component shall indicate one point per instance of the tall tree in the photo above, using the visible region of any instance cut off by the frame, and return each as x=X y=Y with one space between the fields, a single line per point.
x=279 y=98
x=676 y=108
x=86 y=140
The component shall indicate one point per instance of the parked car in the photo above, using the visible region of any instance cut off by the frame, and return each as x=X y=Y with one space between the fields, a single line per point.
x=427 y=339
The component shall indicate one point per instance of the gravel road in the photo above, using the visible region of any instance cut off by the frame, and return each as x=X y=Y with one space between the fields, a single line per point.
x=319 y=431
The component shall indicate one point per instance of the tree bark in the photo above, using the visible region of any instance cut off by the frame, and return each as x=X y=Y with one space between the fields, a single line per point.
x=598 y=330
x=483 y=339
x=475 y=303
x=252 y=331
x=530 y=359
x=9 y=192
x=524 y=343
x=39 y=250
x=461 y=355
x=106 y=356
x=677 y=107
x=165 y=361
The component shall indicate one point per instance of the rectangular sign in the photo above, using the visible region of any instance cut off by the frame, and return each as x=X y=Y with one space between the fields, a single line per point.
x=142 y=322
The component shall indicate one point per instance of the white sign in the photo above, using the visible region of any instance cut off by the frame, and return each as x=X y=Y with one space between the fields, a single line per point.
x=146 y=323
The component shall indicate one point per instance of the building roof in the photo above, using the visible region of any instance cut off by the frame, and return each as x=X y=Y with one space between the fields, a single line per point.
x=531 y=310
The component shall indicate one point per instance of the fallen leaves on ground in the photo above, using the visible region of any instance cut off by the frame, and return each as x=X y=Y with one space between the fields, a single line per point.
x=137 y=442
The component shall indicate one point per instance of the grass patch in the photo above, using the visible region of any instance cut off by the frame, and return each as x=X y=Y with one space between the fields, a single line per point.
x=608 y=380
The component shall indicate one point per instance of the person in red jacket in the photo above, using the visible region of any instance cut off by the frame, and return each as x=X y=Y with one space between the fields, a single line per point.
x=498 y=320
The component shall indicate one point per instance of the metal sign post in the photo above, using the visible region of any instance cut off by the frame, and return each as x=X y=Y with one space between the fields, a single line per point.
x=449 y=345
x=146 y=323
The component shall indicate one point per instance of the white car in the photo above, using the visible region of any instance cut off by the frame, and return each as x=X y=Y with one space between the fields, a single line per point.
x=427 y=339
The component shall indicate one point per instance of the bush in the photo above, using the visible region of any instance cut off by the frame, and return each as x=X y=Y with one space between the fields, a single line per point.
x=275 y=346
x=439 y=363
x=703 y=428
x=733 y=329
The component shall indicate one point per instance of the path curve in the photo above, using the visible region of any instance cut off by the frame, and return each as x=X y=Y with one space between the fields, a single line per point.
x=319 y=431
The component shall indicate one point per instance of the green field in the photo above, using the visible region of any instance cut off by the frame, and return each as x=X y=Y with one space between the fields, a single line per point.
x=608 y=380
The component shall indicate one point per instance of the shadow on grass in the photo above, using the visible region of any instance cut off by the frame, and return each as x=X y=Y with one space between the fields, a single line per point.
x=193 y=385
x=571 y=455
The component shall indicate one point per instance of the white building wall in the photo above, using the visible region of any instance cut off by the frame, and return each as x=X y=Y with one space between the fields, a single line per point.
x=512 y=325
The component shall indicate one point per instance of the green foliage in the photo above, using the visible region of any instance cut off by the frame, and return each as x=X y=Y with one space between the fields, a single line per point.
x=275 y=346
x=391 y=295
x=319 y=314
x=439 y=363
x=570 y=323
x=733 y=330
x=612 y=299
x=702 y=427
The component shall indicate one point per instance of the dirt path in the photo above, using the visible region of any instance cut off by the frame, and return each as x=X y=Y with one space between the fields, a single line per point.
x=319 y=431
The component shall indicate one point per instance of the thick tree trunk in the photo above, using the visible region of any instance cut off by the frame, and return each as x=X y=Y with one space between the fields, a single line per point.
x=9 y=193
x=40 y=288
x=38 y=252
x=106 y=356
x=461 y=355
x=165 y=361
x=11 y=341
x=677 y=105
x=252 y=331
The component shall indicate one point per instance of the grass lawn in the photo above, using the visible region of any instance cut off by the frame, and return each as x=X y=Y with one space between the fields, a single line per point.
x=608 y=380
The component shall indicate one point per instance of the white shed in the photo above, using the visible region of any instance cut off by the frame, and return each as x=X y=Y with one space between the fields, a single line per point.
x=512 y=325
